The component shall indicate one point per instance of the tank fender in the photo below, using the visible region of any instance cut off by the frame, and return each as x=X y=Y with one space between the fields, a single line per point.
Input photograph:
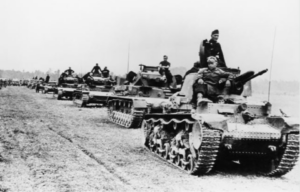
x=214 y=121
x=139 y=103
x=287 y=125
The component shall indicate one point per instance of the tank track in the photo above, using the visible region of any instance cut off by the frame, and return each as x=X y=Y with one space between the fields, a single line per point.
x=128 y=120
x=289 y=157
x=80 y=102
x=206 y=155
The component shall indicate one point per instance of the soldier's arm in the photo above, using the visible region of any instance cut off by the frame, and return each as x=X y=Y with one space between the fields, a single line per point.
x=226 y=74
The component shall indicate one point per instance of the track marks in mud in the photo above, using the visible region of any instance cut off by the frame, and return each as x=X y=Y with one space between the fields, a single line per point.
x=92 y=156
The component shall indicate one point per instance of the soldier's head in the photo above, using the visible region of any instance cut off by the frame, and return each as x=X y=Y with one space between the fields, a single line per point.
x=105 y=68
x=215 y=35
x=96 y=64
x=69 y=67
x=212 y=62
x=165 y=58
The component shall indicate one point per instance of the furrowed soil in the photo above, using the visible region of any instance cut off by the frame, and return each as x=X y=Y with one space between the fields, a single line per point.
x=51 y=145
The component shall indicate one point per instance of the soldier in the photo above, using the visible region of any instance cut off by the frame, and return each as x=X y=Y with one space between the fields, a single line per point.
x=209 y=76
x=96 y=69
x=164 y=69
x=47 y=78
x=105 y=72
x=61 y=78
x=69 y=71
x=216 y=78
x=212 y=48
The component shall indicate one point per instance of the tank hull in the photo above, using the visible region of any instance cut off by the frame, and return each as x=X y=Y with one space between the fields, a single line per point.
x=271 y=143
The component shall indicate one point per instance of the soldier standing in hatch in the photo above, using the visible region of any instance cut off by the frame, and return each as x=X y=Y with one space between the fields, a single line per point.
x=212 y=48
x=96 y=69
x=69 y=71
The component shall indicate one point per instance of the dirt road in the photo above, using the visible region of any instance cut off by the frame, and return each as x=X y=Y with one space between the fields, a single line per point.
x=50 y=145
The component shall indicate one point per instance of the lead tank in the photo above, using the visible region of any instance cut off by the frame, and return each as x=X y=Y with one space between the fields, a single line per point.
x=231 y=129
x=132 y=98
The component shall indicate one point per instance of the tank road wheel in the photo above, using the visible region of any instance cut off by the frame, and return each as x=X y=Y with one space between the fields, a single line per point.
x=151 y=143
x=283 y=160
x=166 y=152
x=190 y=167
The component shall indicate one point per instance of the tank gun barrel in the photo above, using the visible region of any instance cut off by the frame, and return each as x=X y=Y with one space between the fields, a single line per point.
x=243 y=81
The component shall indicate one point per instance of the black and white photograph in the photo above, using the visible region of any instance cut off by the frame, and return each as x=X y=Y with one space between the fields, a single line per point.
x=149 y=95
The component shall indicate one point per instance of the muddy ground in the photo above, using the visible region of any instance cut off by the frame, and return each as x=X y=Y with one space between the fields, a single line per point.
x=50 y=145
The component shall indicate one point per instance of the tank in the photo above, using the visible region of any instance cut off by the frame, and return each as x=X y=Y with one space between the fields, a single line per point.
x=95 y=91
x=15 y=82
x=66 y=88
x=50 y=87
x=133 y=97
x=25 y=82
x=231 y=129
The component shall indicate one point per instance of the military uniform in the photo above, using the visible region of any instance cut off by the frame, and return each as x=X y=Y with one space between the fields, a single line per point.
x=69 y=72
x=213 y=48
x=166 y=71
x=105 y=73
x=96 y=70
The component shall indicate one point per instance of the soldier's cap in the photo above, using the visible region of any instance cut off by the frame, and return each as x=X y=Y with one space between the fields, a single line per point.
x=215 y=32
x=211 y=60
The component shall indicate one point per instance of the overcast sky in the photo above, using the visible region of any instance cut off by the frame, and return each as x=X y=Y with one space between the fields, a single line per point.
x=56 y=34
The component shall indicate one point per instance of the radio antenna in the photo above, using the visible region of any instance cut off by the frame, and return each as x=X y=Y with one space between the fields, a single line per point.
x=128 y=56
x=270 y=77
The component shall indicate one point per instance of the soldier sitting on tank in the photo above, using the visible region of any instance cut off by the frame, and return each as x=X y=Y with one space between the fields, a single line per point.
x=69 y=72
x=96 y=70
x=214 y=82
x=164 y=69
x=105 y=72
x=210 y=80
